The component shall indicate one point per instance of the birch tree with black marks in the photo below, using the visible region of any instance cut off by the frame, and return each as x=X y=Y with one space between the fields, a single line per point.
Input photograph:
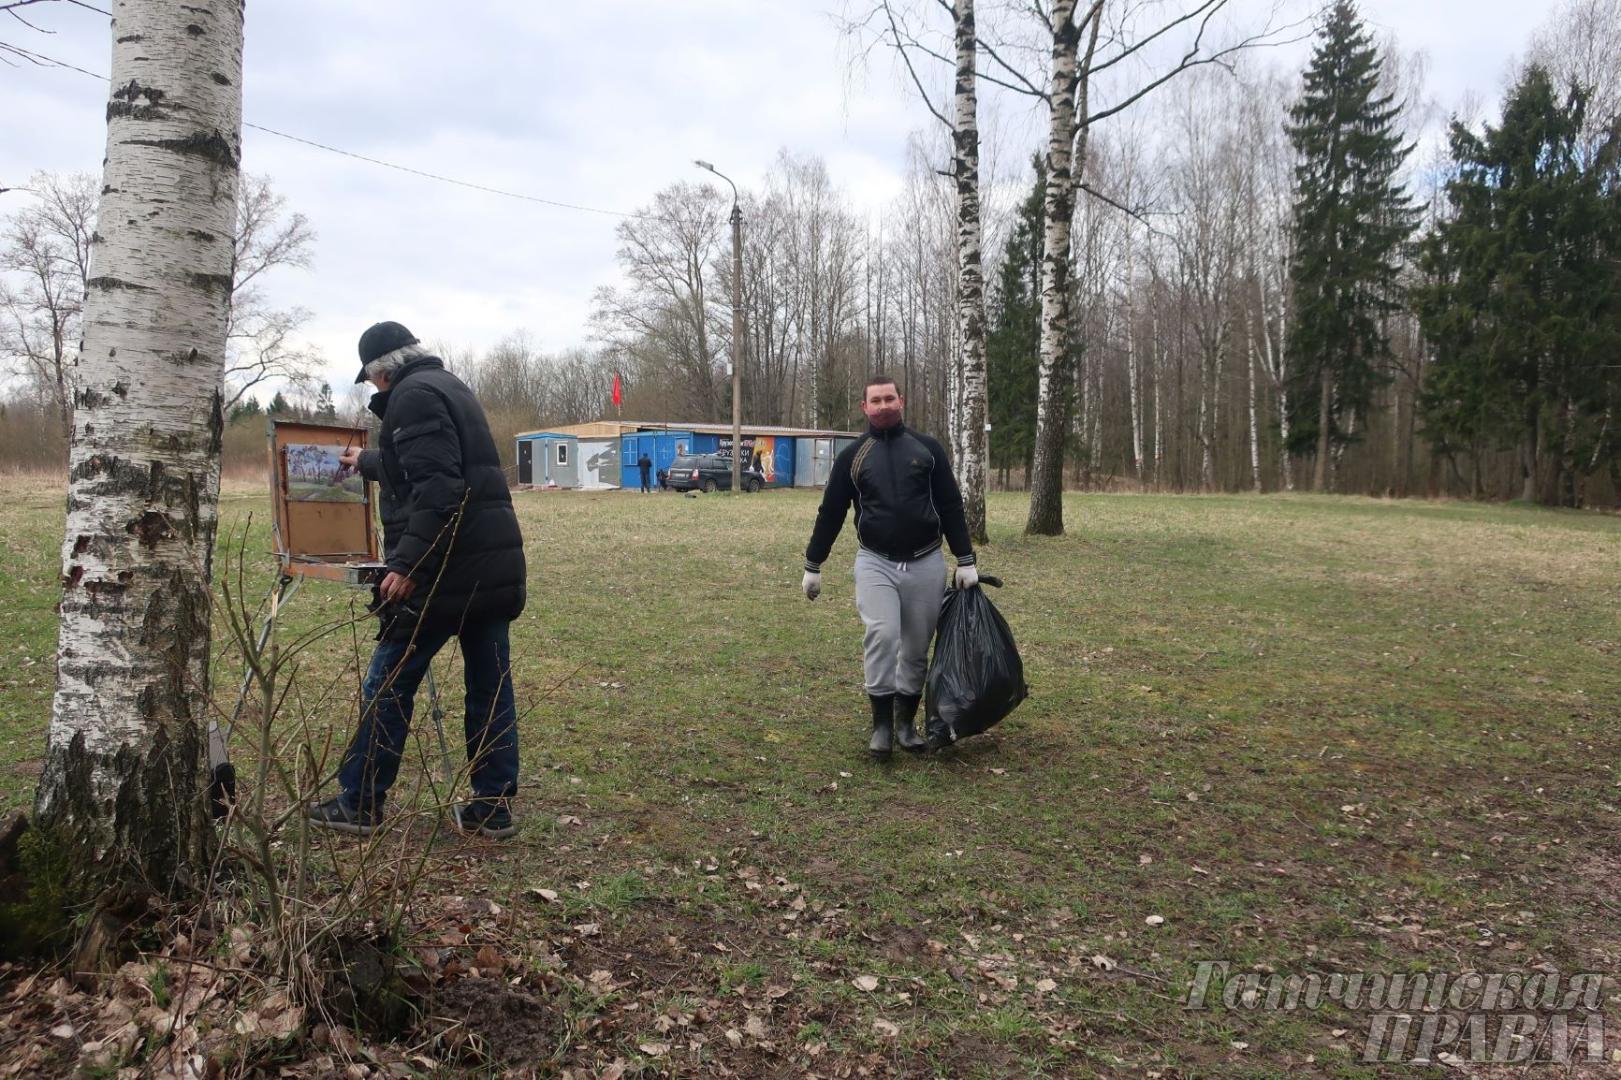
x=971 y=467
x=1115 y=32
x=968 y=388
x=122 y=790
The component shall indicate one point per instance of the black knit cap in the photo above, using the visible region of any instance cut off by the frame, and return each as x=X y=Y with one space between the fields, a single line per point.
x=380 y=339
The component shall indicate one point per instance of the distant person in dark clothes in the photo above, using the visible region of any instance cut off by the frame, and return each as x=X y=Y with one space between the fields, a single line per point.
x=645 y=465
x=455 y=568
x=906 y=500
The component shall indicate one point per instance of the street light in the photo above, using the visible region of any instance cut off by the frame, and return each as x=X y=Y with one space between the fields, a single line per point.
x=737 y=330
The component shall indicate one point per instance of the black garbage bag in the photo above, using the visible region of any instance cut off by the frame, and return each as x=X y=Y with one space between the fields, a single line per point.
x=975 y=677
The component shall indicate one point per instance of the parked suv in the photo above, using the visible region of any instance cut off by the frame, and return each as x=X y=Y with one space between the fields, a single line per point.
x=709 y=472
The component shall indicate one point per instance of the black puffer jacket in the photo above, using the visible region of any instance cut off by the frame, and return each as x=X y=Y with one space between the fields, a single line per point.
x=448 y=521
x=905 y=497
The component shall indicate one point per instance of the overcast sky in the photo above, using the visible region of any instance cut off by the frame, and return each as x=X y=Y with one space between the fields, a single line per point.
x=597 y=104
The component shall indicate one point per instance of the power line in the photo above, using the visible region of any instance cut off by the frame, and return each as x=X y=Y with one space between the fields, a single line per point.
x=49 y=61
x=438 y=177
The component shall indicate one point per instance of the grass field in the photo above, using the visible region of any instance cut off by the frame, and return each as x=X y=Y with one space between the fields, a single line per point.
x=1302 y=734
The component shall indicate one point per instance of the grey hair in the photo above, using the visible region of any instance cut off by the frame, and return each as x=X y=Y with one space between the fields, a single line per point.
x=386 y=365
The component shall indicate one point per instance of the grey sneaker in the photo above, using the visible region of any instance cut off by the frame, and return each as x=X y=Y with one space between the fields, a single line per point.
x=336 y=814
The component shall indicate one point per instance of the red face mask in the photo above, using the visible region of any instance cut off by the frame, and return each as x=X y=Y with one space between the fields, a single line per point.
x=882 y=406
x=884 y=418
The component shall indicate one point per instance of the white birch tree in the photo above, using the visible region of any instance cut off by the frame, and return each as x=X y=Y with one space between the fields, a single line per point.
x=966 y=388
x=1066 y=100
x=971 y=465
x=1133 y=28
x=122 y=792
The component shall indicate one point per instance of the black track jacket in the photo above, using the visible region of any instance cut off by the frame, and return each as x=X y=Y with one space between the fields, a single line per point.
x=905 y=497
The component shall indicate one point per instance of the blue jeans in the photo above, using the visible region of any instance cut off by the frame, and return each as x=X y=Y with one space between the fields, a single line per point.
x=397 y=668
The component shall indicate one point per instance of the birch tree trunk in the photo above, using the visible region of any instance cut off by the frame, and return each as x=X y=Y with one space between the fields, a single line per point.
x=1134 y=392
x=1210 y=464
x=123 y=784
x=1058 y=211
x=1158 y=369
x=970 y=281
x=1275 y=370
x=1202 y=431
x=1094 y=412
x=1325 y=412
x=1255 y=404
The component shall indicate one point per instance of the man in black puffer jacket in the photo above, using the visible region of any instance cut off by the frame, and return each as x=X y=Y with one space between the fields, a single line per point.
x=455 y=568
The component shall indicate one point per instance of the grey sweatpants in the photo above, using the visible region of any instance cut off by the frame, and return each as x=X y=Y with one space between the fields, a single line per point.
x=900 y=605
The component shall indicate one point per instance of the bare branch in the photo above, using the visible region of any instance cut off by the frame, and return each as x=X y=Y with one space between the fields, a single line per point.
x=895 y=32
x=1138 y=213
x=76 y=3
x=25 y=22
x=1025 y=87
x=1208 y=8
x=1192 y=59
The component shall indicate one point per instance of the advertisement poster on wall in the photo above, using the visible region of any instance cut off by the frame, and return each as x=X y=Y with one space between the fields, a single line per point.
x=760 y=454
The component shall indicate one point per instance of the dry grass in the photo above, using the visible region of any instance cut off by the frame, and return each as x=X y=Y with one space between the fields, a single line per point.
x=1309 y=733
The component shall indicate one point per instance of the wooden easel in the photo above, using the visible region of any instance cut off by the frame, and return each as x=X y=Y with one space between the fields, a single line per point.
x=333 y=540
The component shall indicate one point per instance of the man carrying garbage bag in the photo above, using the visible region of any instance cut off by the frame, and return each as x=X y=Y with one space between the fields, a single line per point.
x=906 y=499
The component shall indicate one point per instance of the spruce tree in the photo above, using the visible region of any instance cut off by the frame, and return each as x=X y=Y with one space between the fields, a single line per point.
x=1351 y=220
x=326 y=410
x=1521 y=278
x=1012 y=348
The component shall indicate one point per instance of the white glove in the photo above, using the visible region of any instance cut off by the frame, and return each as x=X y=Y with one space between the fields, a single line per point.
x=812 y=584
x=966 y=577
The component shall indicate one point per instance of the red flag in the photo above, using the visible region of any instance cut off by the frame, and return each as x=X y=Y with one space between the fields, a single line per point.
x=619 y=394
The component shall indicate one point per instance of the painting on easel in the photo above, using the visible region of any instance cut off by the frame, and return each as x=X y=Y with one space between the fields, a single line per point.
x=314 y=474
x=324 y=525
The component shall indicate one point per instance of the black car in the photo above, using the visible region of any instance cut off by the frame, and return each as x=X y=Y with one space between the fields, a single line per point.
x=708 y=472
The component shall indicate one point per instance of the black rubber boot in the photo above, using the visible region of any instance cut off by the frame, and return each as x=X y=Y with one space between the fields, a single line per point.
x=883 y=718
x=906 y=736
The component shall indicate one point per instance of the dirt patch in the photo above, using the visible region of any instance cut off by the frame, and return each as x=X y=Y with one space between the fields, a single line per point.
x=905 y=945
x=488 y=1020
x=835 y=877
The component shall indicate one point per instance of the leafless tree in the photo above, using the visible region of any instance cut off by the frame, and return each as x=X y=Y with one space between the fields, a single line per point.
x=660 y=325
x=1580 y=44
x=264 y=342
x=44 y=264
x=1106 y=56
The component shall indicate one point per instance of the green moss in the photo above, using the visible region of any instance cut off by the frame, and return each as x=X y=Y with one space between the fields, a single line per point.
x=40 y=900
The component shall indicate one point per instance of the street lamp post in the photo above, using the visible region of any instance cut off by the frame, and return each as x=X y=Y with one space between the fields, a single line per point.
x=737 y=330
